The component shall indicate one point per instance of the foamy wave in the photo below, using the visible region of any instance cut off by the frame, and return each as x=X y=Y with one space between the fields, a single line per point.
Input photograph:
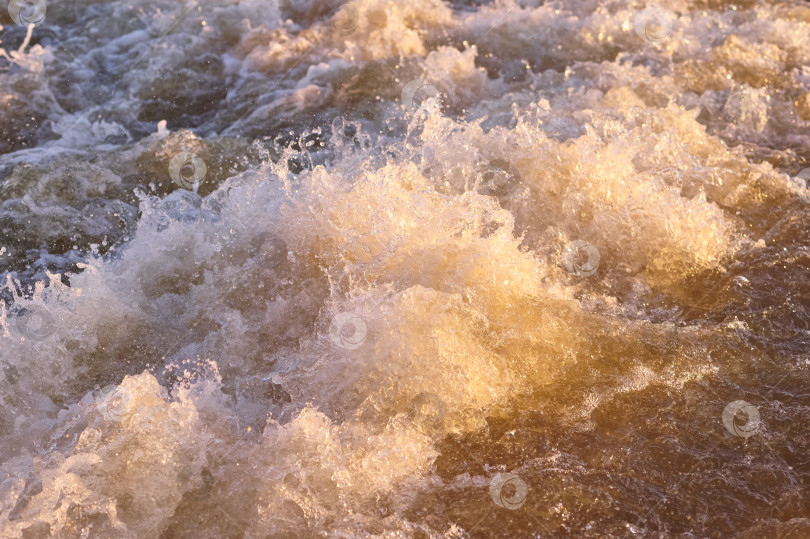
x=454 y=218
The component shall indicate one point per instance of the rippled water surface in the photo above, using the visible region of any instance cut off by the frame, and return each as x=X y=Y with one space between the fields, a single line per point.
x=308 y=268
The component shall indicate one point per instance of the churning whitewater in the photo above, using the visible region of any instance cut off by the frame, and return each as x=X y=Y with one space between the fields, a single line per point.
x=424 y=268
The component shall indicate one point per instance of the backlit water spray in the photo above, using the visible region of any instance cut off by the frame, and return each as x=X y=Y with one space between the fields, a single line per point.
x=309 y=268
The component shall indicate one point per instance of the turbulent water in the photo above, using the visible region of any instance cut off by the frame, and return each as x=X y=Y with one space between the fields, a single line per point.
x=302 y=268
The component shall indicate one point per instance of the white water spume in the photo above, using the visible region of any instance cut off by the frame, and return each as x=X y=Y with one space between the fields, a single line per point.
x=198 y=380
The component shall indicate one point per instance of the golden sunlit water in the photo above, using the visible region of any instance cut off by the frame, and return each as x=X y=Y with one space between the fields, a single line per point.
x=430 y=269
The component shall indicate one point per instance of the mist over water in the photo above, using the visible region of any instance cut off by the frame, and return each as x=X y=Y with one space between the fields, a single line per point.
x=308 y=268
